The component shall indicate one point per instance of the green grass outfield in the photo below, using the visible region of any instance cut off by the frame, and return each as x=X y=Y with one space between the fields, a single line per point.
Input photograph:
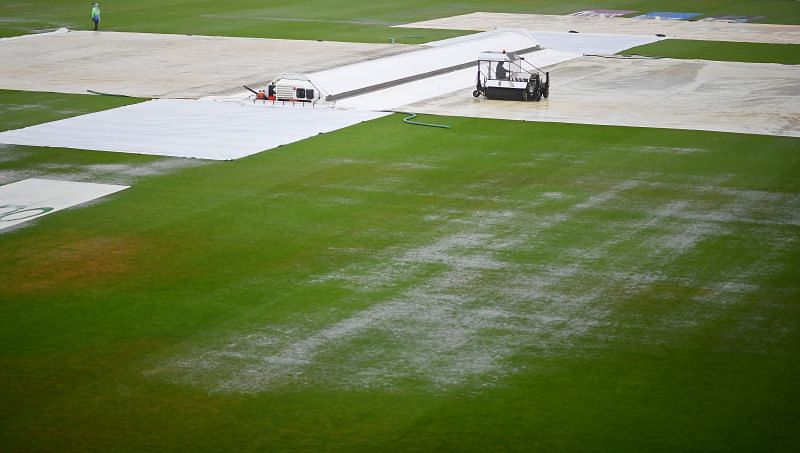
x=20 y=109
x=720 y=51
x=340 y=20
x=496 y=286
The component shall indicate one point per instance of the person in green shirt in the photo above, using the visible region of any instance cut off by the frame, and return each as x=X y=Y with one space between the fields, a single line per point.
x=96 y=14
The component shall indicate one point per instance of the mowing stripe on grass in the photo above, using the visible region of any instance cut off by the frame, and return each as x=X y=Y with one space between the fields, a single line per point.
x=456 y=311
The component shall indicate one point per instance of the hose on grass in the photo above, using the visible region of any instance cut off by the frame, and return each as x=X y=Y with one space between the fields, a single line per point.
x=109 y=94
x=411 y=116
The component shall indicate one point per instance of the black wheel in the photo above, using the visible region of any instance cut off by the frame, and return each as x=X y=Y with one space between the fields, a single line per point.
x=546 y=86
x=476 y=93
x=536 y=83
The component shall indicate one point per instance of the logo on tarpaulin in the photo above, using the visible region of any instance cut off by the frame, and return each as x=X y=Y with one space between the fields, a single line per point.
x=11 y=213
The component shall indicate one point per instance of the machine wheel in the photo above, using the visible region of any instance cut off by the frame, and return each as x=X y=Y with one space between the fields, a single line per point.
x=546 y=86
x=476 y=93
x=537 y=88
x=533 y=92
x=537 y=93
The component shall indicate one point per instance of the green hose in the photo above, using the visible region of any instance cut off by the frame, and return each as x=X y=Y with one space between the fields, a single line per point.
x=411 y=116
x=109 y=94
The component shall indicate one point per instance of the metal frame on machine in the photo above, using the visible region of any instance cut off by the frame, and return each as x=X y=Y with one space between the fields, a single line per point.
x=505 y=76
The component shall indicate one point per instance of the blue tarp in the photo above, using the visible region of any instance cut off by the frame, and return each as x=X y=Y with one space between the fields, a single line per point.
x=668 y=15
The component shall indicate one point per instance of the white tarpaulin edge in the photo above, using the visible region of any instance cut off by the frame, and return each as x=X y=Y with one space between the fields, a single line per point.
x=592 y=43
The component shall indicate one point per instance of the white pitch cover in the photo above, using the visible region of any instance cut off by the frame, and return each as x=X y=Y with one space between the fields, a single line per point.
x=29 y=199
x=184 y=128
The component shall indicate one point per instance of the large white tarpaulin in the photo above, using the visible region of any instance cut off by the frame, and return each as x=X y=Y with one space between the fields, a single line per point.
x=446 y=54
x=184 y=128
x=29 y=199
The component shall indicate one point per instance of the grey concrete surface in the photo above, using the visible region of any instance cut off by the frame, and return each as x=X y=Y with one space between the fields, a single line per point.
x=679 y=94
x=157 y=65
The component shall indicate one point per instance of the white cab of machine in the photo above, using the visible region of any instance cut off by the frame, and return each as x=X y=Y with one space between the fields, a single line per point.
x=296 y=88
x=502 y=66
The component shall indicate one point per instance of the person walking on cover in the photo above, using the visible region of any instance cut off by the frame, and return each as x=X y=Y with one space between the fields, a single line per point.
x=95 y=14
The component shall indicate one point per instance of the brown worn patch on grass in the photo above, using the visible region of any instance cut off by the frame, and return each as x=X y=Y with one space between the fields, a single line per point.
x=78 y=264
